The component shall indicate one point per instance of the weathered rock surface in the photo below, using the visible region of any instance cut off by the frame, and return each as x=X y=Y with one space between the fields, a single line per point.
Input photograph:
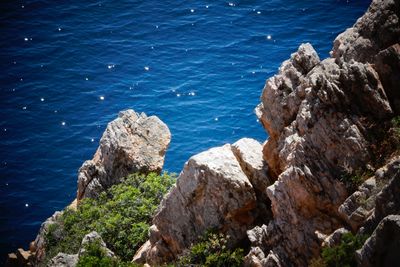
x=360 y=205
x=382 y=248
x=131 y=143
x=316 y=113
x=68 y=260
x=91 y=238
x=63 y=260
x=214 y=190
x=387 y=201
x=248 y=152
x=335 y=238
x=375 y=31
x=374 y=199
x=40 y=241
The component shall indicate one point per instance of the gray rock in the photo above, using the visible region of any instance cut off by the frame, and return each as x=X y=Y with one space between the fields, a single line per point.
x=91 y=238
x=387 y=64
x=387 y=200
x=335 y=238
x=131 y=143
x=376 y=30
x=317 y=118
x=254 y=258
x=40 y=241
x=248 y=152
x=141 y=254
x=282 y=93
x=382 y=248
x=63 y=260
x=360 y=205
x=67 y=260
x=212 y=191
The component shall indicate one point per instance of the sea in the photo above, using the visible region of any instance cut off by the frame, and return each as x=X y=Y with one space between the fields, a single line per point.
x=68 y=67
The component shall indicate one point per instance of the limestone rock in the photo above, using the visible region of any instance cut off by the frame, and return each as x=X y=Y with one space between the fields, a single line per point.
x=317 y=118
x=214 y=190
x=131 y=143
x=63 y=260
x=68 y=260
x=387 y=64
x=376 y=30
x=360 y=205
x=141 y=254
x=335 y=238
x=387 y=200
x=254 y=257
x=282 y=93
x=374 y=199
x=248 y=152
x=40 y=241
x=92 y=238
x=382 y=248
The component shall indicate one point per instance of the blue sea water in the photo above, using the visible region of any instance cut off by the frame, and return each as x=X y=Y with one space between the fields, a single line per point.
x=68 y=67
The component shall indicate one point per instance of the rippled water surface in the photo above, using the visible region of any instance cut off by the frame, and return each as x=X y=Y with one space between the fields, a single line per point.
x=68 y=67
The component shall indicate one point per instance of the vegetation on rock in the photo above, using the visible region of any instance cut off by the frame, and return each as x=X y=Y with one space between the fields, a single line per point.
x=342 y=255
x=213 y=250
x=95 y=256
x=121 y=215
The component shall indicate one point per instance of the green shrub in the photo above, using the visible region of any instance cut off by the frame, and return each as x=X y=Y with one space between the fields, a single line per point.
x=122 y=216
x=95 y=256
x=212 y=250
x=352 y=180
x=342 y=255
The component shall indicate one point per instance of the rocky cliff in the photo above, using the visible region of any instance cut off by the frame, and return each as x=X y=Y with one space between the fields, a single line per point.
x=330 y=166
x=131 y=143
x=326 y=121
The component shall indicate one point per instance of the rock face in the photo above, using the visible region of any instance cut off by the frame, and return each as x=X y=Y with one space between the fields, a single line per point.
x=63 y=260
x=92 y=238
x=216 y=189
x=375 y=198
x=67 y=260
x=131 y=143
x=382 y=248
x=316 y=113
x=40 y=241
x=387 y=198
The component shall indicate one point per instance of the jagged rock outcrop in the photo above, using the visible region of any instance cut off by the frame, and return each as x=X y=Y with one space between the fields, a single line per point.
x=131 y=143
x=40 y=241
x=68 y=260
x=63 y=260
x=317 y=115
x=334 y=238
x=383 y=247
x=387 y=200
x=216 y=189
x=91 y=238
x=374 y=199
x=289 y=195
